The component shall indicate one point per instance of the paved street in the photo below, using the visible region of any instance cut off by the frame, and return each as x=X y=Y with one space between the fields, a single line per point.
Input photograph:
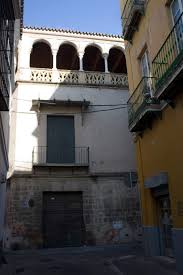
x=104 y=260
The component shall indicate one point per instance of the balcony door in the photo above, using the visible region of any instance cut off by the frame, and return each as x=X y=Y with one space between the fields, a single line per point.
x=60 y=140
x=165 y=223
x=145 y=68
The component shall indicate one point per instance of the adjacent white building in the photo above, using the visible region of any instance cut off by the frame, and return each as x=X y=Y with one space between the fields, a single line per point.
x=72 y=171
x=10 y=14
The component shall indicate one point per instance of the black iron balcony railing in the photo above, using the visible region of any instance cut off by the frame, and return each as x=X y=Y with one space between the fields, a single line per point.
x=133 y=9
x=4 y=93
x=170 y=55
x=141 y=98
x=50 y=155
x=6 y=57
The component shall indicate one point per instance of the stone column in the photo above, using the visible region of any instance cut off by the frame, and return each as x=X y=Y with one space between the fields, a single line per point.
x=55 y=72
x=54 y=59
x=81 y=62
x=105 y=56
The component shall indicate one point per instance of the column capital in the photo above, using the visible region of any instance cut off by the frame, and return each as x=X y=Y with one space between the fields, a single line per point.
x=105 y=55
x=54 y=51
x=81 y=54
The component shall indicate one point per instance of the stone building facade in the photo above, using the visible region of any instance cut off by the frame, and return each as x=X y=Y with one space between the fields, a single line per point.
x=72 y=175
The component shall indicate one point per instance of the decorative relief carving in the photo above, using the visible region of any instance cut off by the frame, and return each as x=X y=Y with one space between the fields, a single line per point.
x=119 y=80
x=79 y=77
x=95 y=78
x=41 y=75
x=71 y=77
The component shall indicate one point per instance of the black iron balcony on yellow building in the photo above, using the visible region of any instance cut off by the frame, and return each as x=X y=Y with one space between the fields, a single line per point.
x=143 y=107
x=167 y=67
x=168 y=64
x=132 y=13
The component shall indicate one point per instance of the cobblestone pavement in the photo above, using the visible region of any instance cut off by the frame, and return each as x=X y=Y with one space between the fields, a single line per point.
x=103 y=260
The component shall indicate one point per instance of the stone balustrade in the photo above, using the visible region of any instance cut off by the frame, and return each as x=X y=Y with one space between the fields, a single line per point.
x=73 y=77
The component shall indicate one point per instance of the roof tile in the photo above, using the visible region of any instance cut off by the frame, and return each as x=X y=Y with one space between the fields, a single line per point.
x=72 y=31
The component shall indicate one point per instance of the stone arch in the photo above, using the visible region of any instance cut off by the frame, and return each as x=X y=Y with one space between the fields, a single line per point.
x=41 y=55
x=36 y=40
x=67 y=57
x=119 y=47
x=117 y=61
x=69 y=43
x=94 y=45
x=93 y=59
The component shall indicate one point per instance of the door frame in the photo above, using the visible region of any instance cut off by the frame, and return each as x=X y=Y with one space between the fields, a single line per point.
x=161 y=239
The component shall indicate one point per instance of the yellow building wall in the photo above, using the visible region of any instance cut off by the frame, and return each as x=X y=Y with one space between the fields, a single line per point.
x=152 y=31
x=160 y=149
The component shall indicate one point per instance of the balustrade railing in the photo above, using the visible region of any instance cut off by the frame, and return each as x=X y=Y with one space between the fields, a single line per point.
x=95 y=78
x=69 y=77
x=45 y=155
x=170 y=54
x=6 y=58
x=141 y=98
x=75 y=77
x=119 y=80
x=39 y=75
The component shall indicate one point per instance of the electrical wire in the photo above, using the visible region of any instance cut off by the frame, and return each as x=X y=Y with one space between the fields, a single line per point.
x=94 y=105
x=85 y=112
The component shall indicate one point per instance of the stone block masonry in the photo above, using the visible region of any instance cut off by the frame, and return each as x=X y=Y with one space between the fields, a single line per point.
x=110 y=208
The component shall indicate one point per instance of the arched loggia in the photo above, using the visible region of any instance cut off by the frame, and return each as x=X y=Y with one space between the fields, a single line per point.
x=67 y=58
x=41 y=56
x=117 y=61
x=93 y=60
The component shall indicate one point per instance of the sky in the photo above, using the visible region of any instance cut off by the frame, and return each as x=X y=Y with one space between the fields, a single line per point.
x=82 y=15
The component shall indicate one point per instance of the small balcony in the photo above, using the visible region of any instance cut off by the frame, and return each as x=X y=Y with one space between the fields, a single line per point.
x=142 y=106
x=67 y=157
x=168 y=64
x=131 y=16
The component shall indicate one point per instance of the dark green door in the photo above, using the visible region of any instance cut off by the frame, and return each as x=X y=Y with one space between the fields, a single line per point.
x=63 y=223
x=60 y=139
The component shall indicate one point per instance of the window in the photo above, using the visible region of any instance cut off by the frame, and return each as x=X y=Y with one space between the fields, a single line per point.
x=145 y=65
x=145 y=68
x=176 y=9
